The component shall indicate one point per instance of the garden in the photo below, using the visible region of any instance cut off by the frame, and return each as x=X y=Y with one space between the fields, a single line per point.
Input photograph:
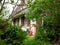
x=47 y=34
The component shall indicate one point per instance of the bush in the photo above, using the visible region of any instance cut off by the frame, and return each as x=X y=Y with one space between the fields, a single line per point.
x=36 y=42
x=52 y=27
x=50 y=30
x=13 y=35
x=42 y=34
x=3 y=24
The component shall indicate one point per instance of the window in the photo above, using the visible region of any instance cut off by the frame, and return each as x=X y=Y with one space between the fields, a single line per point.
x=22 y=20
x=14 y=21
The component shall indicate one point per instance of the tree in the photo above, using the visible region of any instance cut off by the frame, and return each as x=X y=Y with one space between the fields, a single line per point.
x=48 y=10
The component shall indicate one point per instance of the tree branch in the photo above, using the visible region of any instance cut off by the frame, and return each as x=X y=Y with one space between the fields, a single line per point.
x=16 y=13
x=2 y=6
x=0 y=1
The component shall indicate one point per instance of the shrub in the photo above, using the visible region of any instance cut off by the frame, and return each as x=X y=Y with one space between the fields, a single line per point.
x=3 y=24
x=52 y=27
x=13 y=35
x=36 y=42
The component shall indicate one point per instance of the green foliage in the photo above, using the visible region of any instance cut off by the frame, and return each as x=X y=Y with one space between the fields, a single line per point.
x=2 y=42
x=12 y=35
x=49 y=11
x=3 y=23
x=36 y=42
x=52 y=26
x=43 y=7
x=12 y=1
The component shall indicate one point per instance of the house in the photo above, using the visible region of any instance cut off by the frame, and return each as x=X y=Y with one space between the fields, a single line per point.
x=18 y=17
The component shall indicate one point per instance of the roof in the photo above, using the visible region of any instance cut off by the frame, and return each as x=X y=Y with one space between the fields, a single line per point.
x=18 y=12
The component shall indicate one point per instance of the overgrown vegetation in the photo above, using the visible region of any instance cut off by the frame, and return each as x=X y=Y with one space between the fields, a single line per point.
x=46 y=10
x=12 y=35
